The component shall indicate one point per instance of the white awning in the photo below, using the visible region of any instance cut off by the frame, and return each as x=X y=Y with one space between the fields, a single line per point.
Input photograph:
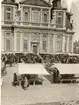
x=32 y=69
x=68 y=68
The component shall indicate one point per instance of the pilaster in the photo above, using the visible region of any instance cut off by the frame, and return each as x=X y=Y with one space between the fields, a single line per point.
x=64 y=20
x=40 y=49
x=29 y=43
x=63 y=43
x=72 y=45
x=67 y=44
x=15 y=41
x=48 y=44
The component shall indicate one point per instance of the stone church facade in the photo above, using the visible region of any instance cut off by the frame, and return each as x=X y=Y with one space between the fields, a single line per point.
x=35 y=26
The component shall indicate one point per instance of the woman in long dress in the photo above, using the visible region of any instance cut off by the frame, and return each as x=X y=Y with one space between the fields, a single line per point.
x=24 y=82
x=15 y=80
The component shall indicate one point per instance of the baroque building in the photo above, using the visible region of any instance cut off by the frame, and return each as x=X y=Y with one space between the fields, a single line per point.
x=36 y=26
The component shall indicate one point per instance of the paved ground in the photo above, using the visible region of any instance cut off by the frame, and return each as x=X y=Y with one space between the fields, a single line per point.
x=42 y=94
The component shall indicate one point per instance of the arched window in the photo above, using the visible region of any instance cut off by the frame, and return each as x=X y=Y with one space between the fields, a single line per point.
x=59 y=20
x=45 y=17
x=26 y=16
x=8 y=14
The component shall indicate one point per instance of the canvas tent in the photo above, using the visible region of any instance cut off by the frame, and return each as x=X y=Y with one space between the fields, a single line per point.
x=31 y=69
x=68 y=68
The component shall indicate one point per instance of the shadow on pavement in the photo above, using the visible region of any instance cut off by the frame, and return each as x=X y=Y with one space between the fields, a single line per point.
x=49 y=78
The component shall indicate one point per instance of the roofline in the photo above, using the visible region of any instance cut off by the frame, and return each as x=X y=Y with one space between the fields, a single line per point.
x=22 y=2
x=9 y=3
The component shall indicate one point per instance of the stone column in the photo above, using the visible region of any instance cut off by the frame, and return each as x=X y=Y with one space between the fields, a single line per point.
x=54 y=43
x=48 y=44
x=29 y=44
x=40 y=45
x=67 y=44
x=15 y=33
x=63 y=43
x=64 y=20
x=21 y=41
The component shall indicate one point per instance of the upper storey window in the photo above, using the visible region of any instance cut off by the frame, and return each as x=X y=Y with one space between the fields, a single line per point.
x=56 y=3
x=59 y=19
x=36 y=16
x=26 y=16
x=8 y=14
x=45 y=17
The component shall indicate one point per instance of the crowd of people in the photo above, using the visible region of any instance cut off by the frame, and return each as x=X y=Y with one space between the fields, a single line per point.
x=20 y=58
x=60 y=58
x=33 y=58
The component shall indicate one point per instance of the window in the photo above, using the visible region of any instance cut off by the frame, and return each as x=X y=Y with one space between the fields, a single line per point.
x=8 y=14
x=58 y=46
x=26 y=16
x=25 y=45
x=45 y=35
x=59 y=43
x=35 y=16
x=8 y=42
x=44 y=45
x=59 y=20
x=58 y=4
x=51 y=43
x=18 y=41
x=25 y=41
x=45 y=17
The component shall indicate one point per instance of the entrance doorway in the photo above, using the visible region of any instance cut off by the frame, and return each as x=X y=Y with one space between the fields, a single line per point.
x=35 y=49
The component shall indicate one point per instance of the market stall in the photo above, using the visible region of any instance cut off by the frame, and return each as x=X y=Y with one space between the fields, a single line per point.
x=33 y=72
